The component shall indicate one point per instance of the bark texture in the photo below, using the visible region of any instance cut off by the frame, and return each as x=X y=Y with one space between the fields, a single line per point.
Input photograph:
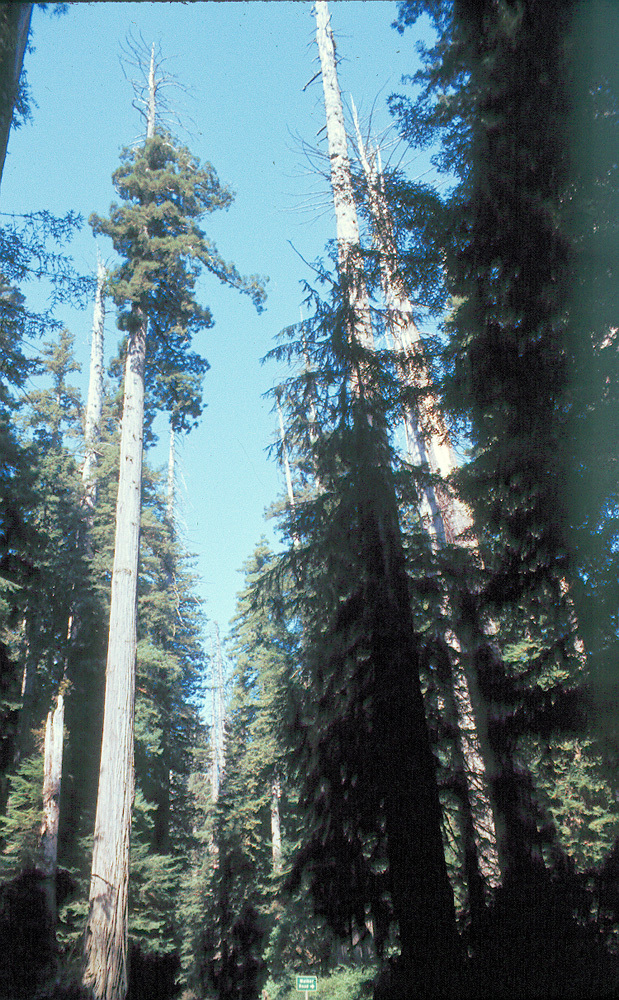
x=106 y=933
x=347 y=227
x=218 y=756
x=94 y=406
x=52 y=778
x=171 y=483
x=446 y=518
x=276 y=833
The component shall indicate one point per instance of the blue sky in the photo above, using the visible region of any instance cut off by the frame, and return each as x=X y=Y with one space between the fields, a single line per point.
x=245 y=66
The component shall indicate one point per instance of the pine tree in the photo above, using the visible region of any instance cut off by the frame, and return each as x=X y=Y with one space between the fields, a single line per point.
x=446 y=520
x=165 y=192
x=368 y=831
x=507 y=357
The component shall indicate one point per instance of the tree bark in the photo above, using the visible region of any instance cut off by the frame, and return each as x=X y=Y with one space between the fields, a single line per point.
x=218 y=753
x=420 y=891
x=15 y=27
x=276 y=833
x=106 y=933
x=171 y=480
x=52 y=778
x=446 y=519
x=347 y=227
x=94 y=406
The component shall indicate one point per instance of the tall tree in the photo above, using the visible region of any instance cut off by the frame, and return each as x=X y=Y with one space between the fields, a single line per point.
x=446 y=519
x=364 y=655
x=165 y=192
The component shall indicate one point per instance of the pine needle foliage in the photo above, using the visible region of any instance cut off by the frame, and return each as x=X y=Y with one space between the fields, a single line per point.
x=362 y=655
x=164 y=192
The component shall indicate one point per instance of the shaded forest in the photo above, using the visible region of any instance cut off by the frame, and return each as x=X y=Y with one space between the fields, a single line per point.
x=407 y=786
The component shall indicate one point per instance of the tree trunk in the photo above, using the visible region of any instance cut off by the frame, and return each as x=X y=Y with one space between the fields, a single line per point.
x=347 y=227
x=15 y=27
x=152 y=96
x=52 y=778
x=106 y=934
x=445 y=518
x=276 y=834
x=218 y=757
x=420 y=891
x=171 y=480
x=94 y=406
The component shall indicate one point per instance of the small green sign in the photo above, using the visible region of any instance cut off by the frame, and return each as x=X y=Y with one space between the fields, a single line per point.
x=307 y=983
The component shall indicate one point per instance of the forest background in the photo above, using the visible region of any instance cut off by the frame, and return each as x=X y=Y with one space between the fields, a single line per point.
x=413 y=779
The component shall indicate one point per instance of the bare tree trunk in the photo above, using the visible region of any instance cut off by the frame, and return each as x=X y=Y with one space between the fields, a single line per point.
x=276 y=833
x=52 y=779
x=152 y=96
x=94 y=406
x=106 y=933
x=218 y=754
x=15 y=27
x=445 y=518
x=171 y=479
x=347 y=226
x=420 y=891
x=23 y=741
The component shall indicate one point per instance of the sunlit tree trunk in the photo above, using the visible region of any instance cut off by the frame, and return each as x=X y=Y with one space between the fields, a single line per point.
x=94 y=406
x=52 y=779
x=106 y=971
x=350 y=261
x=218 y=755
x=276 y=833
x=106 y=933
x=171 y=479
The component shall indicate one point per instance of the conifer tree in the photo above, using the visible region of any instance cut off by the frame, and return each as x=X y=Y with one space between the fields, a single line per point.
x=446 y=520
x=241 y=905
x=155 y=230
x=364 y=656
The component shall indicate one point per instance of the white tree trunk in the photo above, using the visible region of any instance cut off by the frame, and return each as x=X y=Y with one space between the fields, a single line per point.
x=347 y=227
x=171 y=478
x=94 y=406
x=52 y=778
x=106 y=933
x=152 y=96
x=276 y=834
x=218 y=750
x=444 y=516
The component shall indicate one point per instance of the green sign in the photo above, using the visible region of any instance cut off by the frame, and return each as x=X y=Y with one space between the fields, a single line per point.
x=307 y=983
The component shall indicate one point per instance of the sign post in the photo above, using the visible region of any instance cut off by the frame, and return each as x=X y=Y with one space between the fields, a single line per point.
x=307 y=984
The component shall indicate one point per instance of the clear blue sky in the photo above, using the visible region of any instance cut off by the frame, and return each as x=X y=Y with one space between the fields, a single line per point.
x=245 y=65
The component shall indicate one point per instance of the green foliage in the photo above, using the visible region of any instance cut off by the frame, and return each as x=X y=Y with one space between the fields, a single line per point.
x=527 y=370
x=578 y=789
x=241 y=880
x=164 y=193
x=20 y=828
x=154 y=884
x=357 y=707
x=342 y=984
x=25 y=257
